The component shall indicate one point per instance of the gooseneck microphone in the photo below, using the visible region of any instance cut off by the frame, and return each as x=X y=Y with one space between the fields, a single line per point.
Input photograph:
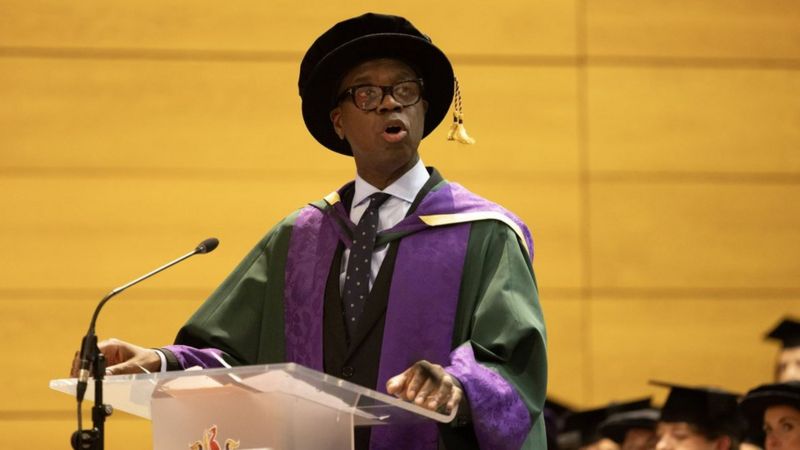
x=92 y=361
x=89 y=343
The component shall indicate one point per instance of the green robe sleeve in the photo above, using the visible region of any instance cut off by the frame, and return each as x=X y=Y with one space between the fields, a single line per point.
x=499 y=323
x=244 y=317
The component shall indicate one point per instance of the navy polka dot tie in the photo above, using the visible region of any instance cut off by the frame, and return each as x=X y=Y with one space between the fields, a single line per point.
x=356 y=283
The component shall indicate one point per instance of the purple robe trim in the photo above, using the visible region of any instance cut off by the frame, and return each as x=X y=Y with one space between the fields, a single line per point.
x=500 y=418
x=419 y=319
x=455 y=199
x=190 y=357
x=311 y=248
x=469 y=202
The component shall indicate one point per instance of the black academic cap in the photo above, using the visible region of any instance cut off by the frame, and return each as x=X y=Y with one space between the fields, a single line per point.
x=711 y=409
x=555 y=411
x=617 y=424
x=557 y=407
x=582 y=428
x=759 y=399
x=359 y=39
x=787 y=332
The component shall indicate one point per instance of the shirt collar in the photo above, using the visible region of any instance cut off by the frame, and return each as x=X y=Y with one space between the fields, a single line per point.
x=405 y=188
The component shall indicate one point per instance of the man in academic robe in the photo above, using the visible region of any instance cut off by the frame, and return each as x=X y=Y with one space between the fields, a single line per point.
x=787 y=364
x=399 y=281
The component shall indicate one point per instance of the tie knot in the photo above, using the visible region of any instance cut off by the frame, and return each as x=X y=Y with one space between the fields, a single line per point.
x=377 y=199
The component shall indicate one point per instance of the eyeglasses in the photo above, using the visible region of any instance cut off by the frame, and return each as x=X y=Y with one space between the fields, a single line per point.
x=368 y=97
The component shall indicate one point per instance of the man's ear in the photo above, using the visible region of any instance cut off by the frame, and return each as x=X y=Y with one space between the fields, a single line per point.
x=425 y=106
x=336 y=120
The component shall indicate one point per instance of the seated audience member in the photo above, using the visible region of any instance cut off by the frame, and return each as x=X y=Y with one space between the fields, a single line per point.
x=775 y=408
x=698 y=418
x=632 y=430
x=582 y=429
x=787 y=365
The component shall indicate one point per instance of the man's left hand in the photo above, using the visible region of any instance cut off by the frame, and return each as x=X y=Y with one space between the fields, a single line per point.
x=427 y=385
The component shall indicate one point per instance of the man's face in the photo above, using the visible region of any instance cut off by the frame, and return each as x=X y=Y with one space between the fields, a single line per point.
x=788 y=365
x=682 y=436
x=782 y=427
x=385 y=140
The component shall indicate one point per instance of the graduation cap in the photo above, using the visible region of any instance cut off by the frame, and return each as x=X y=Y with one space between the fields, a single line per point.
x=787 y=332
x=554 y=413
x=557 y=408
x=759 y=399
x=617 y=424
x=713 y=410
x=582 y=428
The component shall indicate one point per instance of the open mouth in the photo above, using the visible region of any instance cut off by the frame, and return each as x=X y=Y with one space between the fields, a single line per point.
x=394 y=132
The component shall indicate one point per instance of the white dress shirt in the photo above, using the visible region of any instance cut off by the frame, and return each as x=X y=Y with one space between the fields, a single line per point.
x=403 y=192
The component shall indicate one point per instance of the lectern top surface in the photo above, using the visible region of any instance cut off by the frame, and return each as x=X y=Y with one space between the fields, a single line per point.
x=133 y=393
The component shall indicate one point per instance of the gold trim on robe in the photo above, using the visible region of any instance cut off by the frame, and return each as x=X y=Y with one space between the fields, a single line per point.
x=332 y=198
x=449 y=219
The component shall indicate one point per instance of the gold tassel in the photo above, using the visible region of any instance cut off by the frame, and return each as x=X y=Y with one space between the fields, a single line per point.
x=457 y=131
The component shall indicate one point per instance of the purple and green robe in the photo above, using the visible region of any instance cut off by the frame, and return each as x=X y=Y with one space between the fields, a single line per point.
x=462 y=294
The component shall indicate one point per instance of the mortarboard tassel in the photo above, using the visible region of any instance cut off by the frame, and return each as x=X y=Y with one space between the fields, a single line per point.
x=457 y=131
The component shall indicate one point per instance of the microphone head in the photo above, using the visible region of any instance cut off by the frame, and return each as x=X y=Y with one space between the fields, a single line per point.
x=207 y=246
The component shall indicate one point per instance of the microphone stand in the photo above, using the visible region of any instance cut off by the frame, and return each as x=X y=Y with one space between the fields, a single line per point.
x=94 y=439
x=92 y=359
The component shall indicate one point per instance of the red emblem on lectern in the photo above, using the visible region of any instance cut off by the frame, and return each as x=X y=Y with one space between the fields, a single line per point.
x=209 y=441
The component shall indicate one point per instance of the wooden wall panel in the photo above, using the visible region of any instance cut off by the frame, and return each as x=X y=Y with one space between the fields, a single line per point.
x=551 y=211
x=693 y=340
x=97 y=233
x=519 y=27
x=685 y=28
x=702 y=236
x=140 y=115
x=695 y=236
x=523 y=119
x=169 y=117
x=694 y=120
x=566 y=348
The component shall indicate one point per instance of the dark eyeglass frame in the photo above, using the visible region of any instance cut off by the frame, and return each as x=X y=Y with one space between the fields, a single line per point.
x=385 y=90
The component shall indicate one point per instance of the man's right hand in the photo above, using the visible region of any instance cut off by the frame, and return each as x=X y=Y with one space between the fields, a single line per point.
x=122 y=358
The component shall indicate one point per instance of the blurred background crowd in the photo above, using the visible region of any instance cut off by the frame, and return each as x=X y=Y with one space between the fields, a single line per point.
x=694 y=417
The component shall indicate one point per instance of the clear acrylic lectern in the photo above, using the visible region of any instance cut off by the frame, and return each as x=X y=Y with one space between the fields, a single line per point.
x=275 y=407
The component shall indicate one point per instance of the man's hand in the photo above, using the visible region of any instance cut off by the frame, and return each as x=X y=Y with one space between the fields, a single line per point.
x=122 y=357
x=427 y=385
